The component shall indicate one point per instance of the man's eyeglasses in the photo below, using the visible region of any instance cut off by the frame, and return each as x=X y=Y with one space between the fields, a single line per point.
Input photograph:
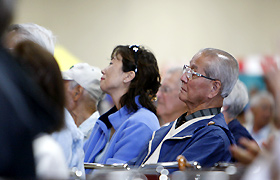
x=190 y=74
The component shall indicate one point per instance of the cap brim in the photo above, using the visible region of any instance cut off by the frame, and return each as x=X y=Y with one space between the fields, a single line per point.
x=65 y=76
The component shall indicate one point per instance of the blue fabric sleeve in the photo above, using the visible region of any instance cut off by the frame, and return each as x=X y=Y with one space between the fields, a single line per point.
x=209 y=149
x=96 y=142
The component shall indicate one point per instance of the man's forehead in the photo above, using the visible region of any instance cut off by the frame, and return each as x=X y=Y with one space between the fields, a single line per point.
x=193 y=64
x=200 y=61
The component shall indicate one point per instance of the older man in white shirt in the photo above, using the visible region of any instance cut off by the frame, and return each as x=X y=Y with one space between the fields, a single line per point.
x=82 y=86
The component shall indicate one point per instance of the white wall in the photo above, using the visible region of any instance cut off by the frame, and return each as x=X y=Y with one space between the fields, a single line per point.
x=173 y=29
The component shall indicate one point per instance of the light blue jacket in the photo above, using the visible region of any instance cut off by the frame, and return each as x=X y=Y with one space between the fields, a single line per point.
x=132 y=132
x=71 y=139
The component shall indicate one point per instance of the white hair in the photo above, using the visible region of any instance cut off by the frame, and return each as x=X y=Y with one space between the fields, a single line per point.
x=35 y=33
x=236 y=100
x=223 y=67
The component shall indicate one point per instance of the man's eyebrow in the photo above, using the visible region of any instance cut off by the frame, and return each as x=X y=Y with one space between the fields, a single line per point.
x=193 y=66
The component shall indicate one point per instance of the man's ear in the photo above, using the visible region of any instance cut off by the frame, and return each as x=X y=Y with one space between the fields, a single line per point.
x=129 y=76
x=77 y=92
x=216 y=88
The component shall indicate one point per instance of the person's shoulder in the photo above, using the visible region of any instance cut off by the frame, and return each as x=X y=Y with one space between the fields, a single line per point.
x=145 y=118
x=215 y=126
x=234 y=123
x=144 y=111
x=143 y=115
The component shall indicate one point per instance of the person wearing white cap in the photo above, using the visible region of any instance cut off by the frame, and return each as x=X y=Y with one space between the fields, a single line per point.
x=83 y=92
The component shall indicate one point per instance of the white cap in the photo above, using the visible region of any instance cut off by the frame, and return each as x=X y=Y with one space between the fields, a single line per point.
x=87 y=76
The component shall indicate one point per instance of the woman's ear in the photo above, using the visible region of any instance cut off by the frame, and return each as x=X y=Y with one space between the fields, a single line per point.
x=216 y=88
x=129 y=76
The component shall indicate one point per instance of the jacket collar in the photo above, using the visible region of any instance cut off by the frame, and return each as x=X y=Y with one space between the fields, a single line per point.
x=203 y=112
x=217 y=120
x=118 y=117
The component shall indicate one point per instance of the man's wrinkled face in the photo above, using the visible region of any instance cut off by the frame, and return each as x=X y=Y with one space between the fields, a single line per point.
x=195 y=92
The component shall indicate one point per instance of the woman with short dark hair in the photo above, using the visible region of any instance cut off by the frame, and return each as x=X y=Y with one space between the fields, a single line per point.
x=132 y=79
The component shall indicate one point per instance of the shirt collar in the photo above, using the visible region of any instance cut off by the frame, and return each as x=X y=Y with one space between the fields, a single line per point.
x=89 y=122
x=120 y=115
x=117 y=118
x=204 y=112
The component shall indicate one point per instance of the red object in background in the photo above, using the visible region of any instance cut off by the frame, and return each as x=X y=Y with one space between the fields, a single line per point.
x=241 y=65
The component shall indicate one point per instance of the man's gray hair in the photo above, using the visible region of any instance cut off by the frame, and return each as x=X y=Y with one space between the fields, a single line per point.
x=35 y=33
x=236 y=100
x=223 y=67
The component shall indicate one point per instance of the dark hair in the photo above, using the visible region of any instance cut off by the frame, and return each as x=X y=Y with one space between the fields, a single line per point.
x=42 y=67
x=147 y=77
x=6 y=14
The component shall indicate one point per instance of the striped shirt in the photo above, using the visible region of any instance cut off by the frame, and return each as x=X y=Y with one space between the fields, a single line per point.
x=204 y=112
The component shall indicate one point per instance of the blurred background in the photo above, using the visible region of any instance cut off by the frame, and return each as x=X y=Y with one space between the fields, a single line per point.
x=88 y=30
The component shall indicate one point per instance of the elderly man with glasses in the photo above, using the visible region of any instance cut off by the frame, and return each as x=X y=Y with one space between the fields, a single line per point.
x=201 y=133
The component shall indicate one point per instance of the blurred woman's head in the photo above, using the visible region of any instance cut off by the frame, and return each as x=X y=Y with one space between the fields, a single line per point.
x=42 y=67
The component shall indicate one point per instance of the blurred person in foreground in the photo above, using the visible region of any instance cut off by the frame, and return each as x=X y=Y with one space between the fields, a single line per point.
x=232 y=106
x=43 y=69
x=169 y=106
x=70 y=137
x=201 y=134
x=83 y=93
x=132 y=80
x=24 y=111
x=264 y=163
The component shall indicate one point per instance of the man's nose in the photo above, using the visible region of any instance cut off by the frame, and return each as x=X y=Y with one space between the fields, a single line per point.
x=184 y=78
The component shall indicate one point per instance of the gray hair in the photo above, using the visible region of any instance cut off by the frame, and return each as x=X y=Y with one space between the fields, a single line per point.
x=224 y=67
x=236 y=100
x=257 y=98
x=35 y=33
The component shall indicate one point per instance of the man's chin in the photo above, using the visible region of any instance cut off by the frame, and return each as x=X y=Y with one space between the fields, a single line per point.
x=182 y=97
